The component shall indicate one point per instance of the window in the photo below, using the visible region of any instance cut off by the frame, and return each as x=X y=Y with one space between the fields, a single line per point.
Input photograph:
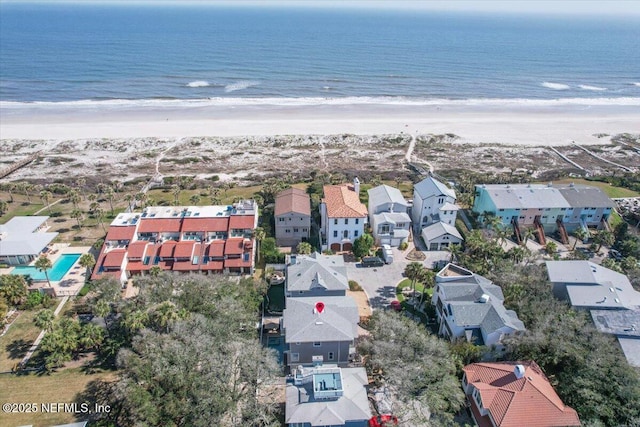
x=287 y=230
x=295 y=230
x=441 y=200
x=280 y=219
x=355 y=233
x=383 y=229
x=295 y=357
x=345 y=234
x=330 y=355
x=335 y=233
x=304 y=230
x=346 y=221
x=317 y=344
x=501 y=210
x=335 y=221
x=425 y=218
x=357 y=220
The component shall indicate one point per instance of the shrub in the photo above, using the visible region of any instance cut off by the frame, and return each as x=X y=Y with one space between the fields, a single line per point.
x=403 y=246
x=34 y=299
x=354 y=286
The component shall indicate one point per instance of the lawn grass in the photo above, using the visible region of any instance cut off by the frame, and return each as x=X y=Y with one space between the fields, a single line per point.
x=57 y=387
x=406 y=283
x=16 y=342
x=610 y=190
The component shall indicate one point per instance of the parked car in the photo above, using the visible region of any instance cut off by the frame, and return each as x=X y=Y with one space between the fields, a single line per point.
x=615 y=254
x=371 y=261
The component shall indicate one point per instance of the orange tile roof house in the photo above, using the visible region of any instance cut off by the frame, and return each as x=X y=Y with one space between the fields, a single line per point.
x=343 y=216
x=292 y=217
x=514 y=394
x=202 y=239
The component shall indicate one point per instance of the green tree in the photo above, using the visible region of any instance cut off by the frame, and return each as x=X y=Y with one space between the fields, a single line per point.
x=4 y=206
x=580 y=234
x=91 y=336
x=110 y=195
x=44 y=264
x=176 y=190
x=4 y=309
x=163 y=314
x=259 y=234
x=362 y=245
x=77 y=215
x=74 y=198
x=87 y=261
x=46 y=196
x=603 y=238
x=194 y=199
x=45 y=319
x=13 y=289
x=304 y=248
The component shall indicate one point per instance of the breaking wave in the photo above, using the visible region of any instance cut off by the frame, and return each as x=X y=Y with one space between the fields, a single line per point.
x=239 y=85
x=593 y=88
x=198 y=83
x=555 y=86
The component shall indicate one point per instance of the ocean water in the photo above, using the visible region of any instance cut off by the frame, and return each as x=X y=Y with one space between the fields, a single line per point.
x=113 y=54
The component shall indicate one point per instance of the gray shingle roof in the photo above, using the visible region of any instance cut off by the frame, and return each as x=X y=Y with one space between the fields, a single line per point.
x=338 y=321
x=539 y=196
x=17 y=236
x=353 y=405
x=316 y=270
x=392 y=218
x=386 y=194
x=439 y=229
x=432 y=187
x=586 y=196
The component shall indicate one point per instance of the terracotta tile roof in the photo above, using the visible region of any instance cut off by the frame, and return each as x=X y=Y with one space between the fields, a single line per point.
x=136 y=249
x=528 y=401
x=167 y=248
x=343 y=202
x=242 y=222
x=159 y=225
x=113 y=259
x=213 y=265
x=234 y=246
x=184 y=249
x=293 y=200
x=120 y=233
x=215 y=249
x=185 y=266
x=205 y=224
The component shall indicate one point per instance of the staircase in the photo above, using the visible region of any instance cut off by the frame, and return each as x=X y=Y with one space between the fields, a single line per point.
x=540 y=231
x=605 y=224
x=564 y=237
x=516 y=231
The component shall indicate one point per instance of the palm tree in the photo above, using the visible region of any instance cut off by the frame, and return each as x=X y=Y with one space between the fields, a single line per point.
x=155 y=271
x=92 y=197
x=414 y=271
x=80 y=183
x=4 y=206
x=45 y=195
x=135 y=321
x=77 y=215
x=11 y=187
x=603 y=237
x=528 y=234
x=43 y=264
x=13 y=288
x=74 y=197
x=92 y=207
x=163 y=314
x=194 y=199
x=259 y=234
x=91 y=336
x=99 y=214
x=580 y=234
x=142 y=198
x=304 y=248
x=87 y=261
x=26 y=188
x=551 y=247
x=45 y=319
x=110 y=195
x=175 y=190
x=102 y=308
x=129 y=198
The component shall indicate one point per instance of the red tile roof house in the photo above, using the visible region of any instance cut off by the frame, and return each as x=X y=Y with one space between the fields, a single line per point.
x=343 y=216
x=514 y=394
x=204 y=239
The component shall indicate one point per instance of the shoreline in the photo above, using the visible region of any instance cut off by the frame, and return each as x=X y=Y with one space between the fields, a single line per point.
x=518 y=124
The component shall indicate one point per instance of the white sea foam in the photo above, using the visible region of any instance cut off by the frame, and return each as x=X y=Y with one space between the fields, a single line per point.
x=636 y=84
x=555 y=86
x=198 y=83
x=313 y=101
x=593 y=88
x=239 y=85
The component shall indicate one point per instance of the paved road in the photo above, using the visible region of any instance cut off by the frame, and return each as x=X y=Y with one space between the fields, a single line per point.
x=380 y=283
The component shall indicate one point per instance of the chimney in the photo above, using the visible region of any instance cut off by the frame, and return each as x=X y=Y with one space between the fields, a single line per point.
x=518 y=371
x=356 y=185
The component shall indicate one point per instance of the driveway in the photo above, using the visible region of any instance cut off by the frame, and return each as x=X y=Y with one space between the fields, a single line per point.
x=379 y=283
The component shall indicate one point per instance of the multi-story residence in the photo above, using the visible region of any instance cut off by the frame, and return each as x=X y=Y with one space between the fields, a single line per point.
x=390 y=222
x=432 y=202
x=204 y=239
x=316 y=275
x=343 y=216
x=609 y=297
x=319 y=329
x=514 y=394
x=292 y=217
x=470 y=307
x=327 y=395
x=549 y=207
x=23 y=238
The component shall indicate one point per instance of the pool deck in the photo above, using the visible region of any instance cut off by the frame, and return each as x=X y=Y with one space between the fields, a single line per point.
x=72 y=281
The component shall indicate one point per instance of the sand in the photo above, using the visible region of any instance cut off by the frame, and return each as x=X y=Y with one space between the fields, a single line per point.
x=537 y=124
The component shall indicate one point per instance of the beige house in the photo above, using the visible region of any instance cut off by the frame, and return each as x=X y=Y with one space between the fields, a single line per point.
x=292 y=217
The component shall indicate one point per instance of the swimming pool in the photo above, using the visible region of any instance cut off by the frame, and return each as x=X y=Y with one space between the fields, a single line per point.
x=56 y=273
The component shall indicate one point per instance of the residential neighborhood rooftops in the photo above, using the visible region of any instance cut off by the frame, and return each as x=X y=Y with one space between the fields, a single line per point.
x=432 y=187
x=293 y=200
x=386 y=194
x=438 y=229
x=306 y=405
x=343 y=202
x=337 y=321
x=592 y=285
x=541 y=196
x=121 y=233
x=517 y=394
x=317 y=270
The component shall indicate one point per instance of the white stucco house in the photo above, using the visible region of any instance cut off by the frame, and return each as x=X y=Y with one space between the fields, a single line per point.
x=390 y=222
x=343 y=216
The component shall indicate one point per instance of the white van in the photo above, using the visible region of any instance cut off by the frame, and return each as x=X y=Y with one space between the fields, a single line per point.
x=387 y=254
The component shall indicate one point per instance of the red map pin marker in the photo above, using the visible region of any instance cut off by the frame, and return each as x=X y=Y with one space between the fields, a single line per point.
x=319 y=307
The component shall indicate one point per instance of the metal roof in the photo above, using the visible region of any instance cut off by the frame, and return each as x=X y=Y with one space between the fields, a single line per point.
x=19 y=237
x=439 y=229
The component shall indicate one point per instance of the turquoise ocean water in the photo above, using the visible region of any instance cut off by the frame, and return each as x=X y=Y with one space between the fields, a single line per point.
x=147 y=54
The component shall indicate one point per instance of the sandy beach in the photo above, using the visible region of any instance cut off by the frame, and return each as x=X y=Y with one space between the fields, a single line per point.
x=537 y=124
